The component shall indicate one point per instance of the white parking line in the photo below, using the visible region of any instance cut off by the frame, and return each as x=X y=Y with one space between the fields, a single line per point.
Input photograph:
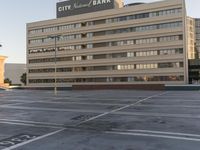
x=191 y=116
x=14 y=104
x=52 y=109
x=158 y=132
x=168 y=106
x=43 y=124
x=33 y=140
x=30 y=125
x=158 y=136
x=121 y=108
x=81 y=103
x=155 y=135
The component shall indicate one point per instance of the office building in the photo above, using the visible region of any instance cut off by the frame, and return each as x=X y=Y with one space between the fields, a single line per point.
x=105 y=42
x=197 y=42
x=191 y=37
x=194 y=71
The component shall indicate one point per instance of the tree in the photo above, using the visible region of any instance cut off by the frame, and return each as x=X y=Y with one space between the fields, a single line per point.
x=8 y=81
x=23 y=78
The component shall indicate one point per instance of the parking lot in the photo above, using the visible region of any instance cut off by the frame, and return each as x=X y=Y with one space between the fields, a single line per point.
x=100 y=120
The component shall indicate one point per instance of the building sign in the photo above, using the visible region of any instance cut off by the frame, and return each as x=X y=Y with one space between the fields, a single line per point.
x=76 y=7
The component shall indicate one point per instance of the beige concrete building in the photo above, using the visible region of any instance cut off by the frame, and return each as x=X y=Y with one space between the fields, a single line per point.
x=191 y=37
x=2 y=59
x=197 y=37
x=136 y=44
x=14 y=72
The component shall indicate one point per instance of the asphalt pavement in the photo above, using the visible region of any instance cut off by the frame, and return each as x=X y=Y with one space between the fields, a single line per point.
x=99 y=120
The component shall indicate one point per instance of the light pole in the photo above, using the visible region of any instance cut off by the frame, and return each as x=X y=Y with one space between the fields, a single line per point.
x=55 y=37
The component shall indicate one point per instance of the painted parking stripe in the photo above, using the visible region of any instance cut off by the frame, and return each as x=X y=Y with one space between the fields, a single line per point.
x=159 y=132
x=51 y=109
x=29 y=125
x=191 y=116
x=79 y=103
x=32 y=123
x=168 y=106
x=154 y=135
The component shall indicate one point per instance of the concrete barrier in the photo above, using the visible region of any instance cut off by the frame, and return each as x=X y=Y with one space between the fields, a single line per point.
x=120 y=87
x=182 y=87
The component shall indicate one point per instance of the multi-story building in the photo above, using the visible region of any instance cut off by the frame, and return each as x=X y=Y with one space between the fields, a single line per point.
x=194 y=71
x=197 y=42
x=136 y=44
x=194 y=64
x=191 y=37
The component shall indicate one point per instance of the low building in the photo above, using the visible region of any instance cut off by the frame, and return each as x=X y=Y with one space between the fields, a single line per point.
x=2 y=60
x=109 y=44
x=14 y=72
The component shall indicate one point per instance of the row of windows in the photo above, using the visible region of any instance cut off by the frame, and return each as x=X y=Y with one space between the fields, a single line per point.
x=198 y=43
x=108 y=32
x=112 y=55
x=112 y=67
x=112 y=79
x=110 y=20
x=137 y=29
x=197 y=30
x=51 y=29
x=61 y=38
x=197 y=22
x=198 y=36
x=108 y=44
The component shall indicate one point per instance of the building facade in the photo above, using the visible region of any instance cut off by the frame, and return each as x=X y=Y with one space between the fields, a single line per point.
x=136 y=44
x=194 y=64
x=194 y=71
x=2 y=60
x=191 y=37
x=14 y=72
x=197 y=42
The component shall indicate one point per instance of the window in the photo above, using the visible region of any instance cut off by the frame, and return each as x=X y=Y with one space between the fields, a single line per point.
x=89 y=45
x=130 y=54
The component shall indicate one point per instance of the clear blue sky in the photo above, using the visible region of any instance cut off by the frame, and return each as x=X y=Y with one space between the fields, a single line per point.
x=16 y=13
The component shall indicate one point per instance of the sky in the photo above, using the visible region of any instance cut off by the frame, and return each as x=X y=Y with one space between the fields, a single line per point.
x=16 y=13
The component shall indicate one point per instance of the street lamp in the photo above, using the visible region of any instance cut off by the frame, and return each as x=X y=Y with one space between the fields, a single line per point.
x=55 y=37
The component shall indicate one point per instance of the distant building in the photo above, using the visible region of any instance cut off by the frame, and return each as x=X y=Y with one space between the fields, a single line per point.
x=194 y=64
x=194 y=71
x=191 y=37
x=197 y=30
x=110 y=44
x=14 y=72
x=2 y=59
